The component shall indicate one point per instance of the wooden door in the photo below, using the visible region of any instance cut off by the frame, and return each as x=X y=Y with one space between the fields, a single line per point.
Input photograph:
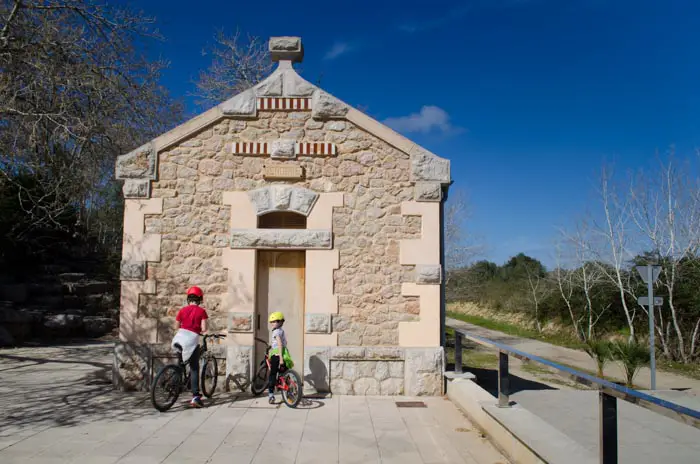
x=280 y=287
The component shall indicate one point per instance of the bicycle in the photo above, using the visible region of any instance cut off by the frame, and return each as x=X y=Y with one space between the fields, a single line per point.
x=173 y=379
x=288 y=380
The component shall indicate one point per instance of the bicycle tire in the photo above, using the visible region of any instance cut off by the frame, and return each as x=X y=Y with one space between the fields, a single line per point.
x=292 y=378
x=174 y=384
x=209 y=361
x=259 y=382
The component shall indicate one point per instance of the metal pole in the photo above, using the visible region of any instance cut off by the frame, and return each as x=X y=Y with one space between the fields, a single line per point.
x=607 y=445
x=458 y=352
x=652 y=348
x=503 y=381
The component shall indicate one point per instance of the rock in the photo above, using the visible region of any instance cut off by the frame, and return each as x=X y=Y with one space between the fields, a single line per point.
x=96 y=326
x=282 y=149
x=326 y=106
x=241 y=322
x=366 y=386
x=243 y=104
x=63 y=324
x=428 y=274
x=428 y=192
x=72 y=276
x=318 y=323
x=6 y=338
x=137 y=188
x=137 y=164
x=85 y=288
x=16 y=293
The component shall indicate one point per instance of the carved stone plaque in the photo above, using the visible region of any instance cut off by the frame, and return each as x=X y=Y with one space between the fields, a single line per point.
x=283 y=172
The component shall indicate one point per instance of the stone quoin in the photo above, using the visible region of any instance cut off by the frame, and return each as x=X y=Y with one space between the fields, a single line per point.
x=285 y=198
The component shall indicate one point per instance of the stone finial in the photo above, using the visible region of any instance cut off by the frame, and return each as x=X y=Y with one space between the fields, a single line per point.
x=286 y=49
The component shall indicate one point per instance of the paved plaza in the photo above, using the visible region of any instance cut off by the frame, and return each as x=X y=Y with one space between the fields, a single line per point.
x=58 y=406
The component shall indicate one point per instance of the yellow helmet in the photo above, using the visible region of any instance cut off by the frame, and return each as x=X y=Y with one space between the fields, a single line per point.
x=276 y=316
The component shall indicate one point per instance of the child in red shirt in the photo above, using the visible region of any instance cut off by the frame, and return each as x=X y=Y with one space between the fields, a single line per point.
x=193 y=319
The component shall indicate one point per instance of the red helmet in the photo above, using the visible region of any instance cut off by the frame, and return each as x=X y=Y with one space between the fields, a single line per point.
x=195 y=291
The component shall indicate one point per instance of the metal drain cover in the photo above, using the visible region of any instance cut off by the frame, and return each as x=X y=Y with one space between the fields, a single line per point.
x=410 y=404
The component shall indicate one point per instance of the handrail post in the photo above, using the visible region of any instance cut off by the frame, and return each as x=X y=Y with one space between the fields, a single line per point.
x=458 y=352
x=607 y=428
x=503 y=380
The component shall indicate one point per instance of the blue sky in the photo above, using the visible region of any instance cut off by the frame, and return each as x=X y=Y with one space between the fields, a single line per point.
x=527 y=98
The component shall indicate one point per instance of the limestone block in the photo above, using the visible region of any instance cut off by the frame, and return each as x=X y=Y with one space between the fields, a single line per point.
x=427 y=274
x=243 y=104
x=286 y=48
x=240 y=322
x=428 y=191
x=424 y=371
x=282 y=149
x=296 y=86
x=384 y=353
x=366 y=386
x=391 y=387
x=295 y=239
x=428 y=167
x=326 y=106
x=138 y=164
x=239 y=365
x=347 y=352
x=316 y=369
x=282 y=198
x=318 y=323
x=132 y=270
x=130 y=368
x=341 y=387
x=270 y=87
x=137 y=188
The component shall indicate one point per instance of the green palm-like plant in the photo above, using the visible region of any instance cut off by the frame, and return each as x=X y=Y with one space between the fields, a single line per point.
x=632 y=356
x=601 y=352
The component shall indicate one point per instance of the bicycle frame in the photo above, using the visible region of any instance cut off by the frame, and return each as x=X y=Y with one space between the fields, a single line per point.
x=281 y=384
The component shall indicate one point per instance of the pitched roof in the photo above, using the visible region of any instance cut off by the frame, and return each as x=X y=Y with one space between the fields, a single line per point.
x=285 y=82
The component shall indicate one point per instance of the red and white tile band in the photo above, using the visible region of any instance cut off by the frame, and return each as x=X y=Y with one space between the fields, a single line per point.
x=284 y=103
x=316 y=148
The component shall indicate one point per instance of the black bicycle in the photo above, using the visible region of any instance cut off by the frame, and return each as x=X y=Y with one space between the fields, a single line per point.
x=173 y=379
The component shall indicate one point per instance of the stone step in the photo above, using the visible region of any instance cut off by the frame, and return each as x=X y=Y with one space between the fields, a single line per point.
x=72 y=277
x=46 y=288
x=55 y=302
x=86 y=288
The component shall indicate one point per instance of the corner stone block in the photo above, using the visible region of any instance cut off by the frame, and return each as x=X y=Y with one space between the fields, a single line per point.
x=244 y=104
x=428 y=274
x=318 y=323
x=240 y=322
x=130 y=367
x=137 y=188
x=130 y=270
x=424 y=370
x=326 y=106
x=316 y=369
x=138 y=164
x=239 y=364
x=427 y=167
x=428 y=191
x=282 y=149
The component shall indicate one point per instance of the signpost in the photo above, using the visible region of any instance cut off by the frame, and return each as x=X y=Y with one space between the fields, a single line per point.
x=649 y=274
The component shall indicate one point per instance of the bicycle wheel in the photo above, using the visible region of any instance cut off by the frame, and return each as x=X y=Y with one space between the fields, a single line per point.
x=210 y=373
x=292 y=395
x=257 y=386
x=166 y=387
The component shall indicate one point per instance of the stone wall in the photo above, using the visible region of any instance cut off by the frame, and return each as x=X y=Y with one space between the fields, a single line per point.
x=194 y=225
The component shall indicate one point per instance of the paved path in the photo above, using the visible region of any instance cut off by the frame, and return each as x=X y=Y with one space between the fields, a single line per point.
x=57 y=406
x=577 y=358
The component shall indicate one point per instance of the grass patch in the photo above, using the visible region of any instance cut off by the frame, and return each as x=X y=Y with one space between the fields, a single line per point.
x=688 y=370
x=516 y=331
x=473 y=358
x=534 y=368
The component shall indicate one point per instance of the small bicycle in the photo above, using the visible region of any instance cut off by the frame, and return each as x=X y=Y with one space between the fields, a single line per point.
x=288 y=380
x=173 y=379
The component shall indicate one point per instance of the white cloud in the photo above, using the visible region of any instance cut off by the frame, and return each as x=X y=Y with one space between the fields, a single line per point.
x=339 y=48
x=430 y=118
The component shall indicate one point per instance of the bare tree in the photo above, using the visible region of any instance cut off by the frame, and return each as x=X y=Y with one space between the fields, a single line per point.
x=461 y=247
x=74 y=94
x=666 y=209
x=539 y=290
x=237 y=65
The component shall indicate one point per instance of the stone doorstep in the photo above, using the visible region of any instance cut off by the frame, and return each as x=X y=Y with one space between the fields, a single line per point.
x=548 y=443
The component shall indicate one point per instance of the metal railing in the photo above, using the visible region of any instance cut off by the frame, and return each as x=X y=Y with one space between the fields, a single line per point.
x=608 y=394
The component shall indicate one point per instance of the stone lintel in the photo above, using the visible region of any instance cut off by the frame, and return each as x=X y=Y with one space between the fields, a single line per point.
x=292 y=239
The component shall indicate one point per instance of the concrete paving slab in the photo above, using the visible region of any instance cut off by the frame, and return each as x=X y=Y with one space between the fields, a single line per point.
x=65 y=417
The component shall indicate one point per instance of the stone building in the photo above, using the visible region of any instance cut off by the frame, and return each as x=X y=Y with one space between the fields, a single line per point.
x=284 y=198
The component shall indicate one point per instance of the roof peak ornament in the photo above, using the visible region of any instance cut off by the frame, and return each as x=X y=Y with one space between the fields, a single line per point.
x=286 y=50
